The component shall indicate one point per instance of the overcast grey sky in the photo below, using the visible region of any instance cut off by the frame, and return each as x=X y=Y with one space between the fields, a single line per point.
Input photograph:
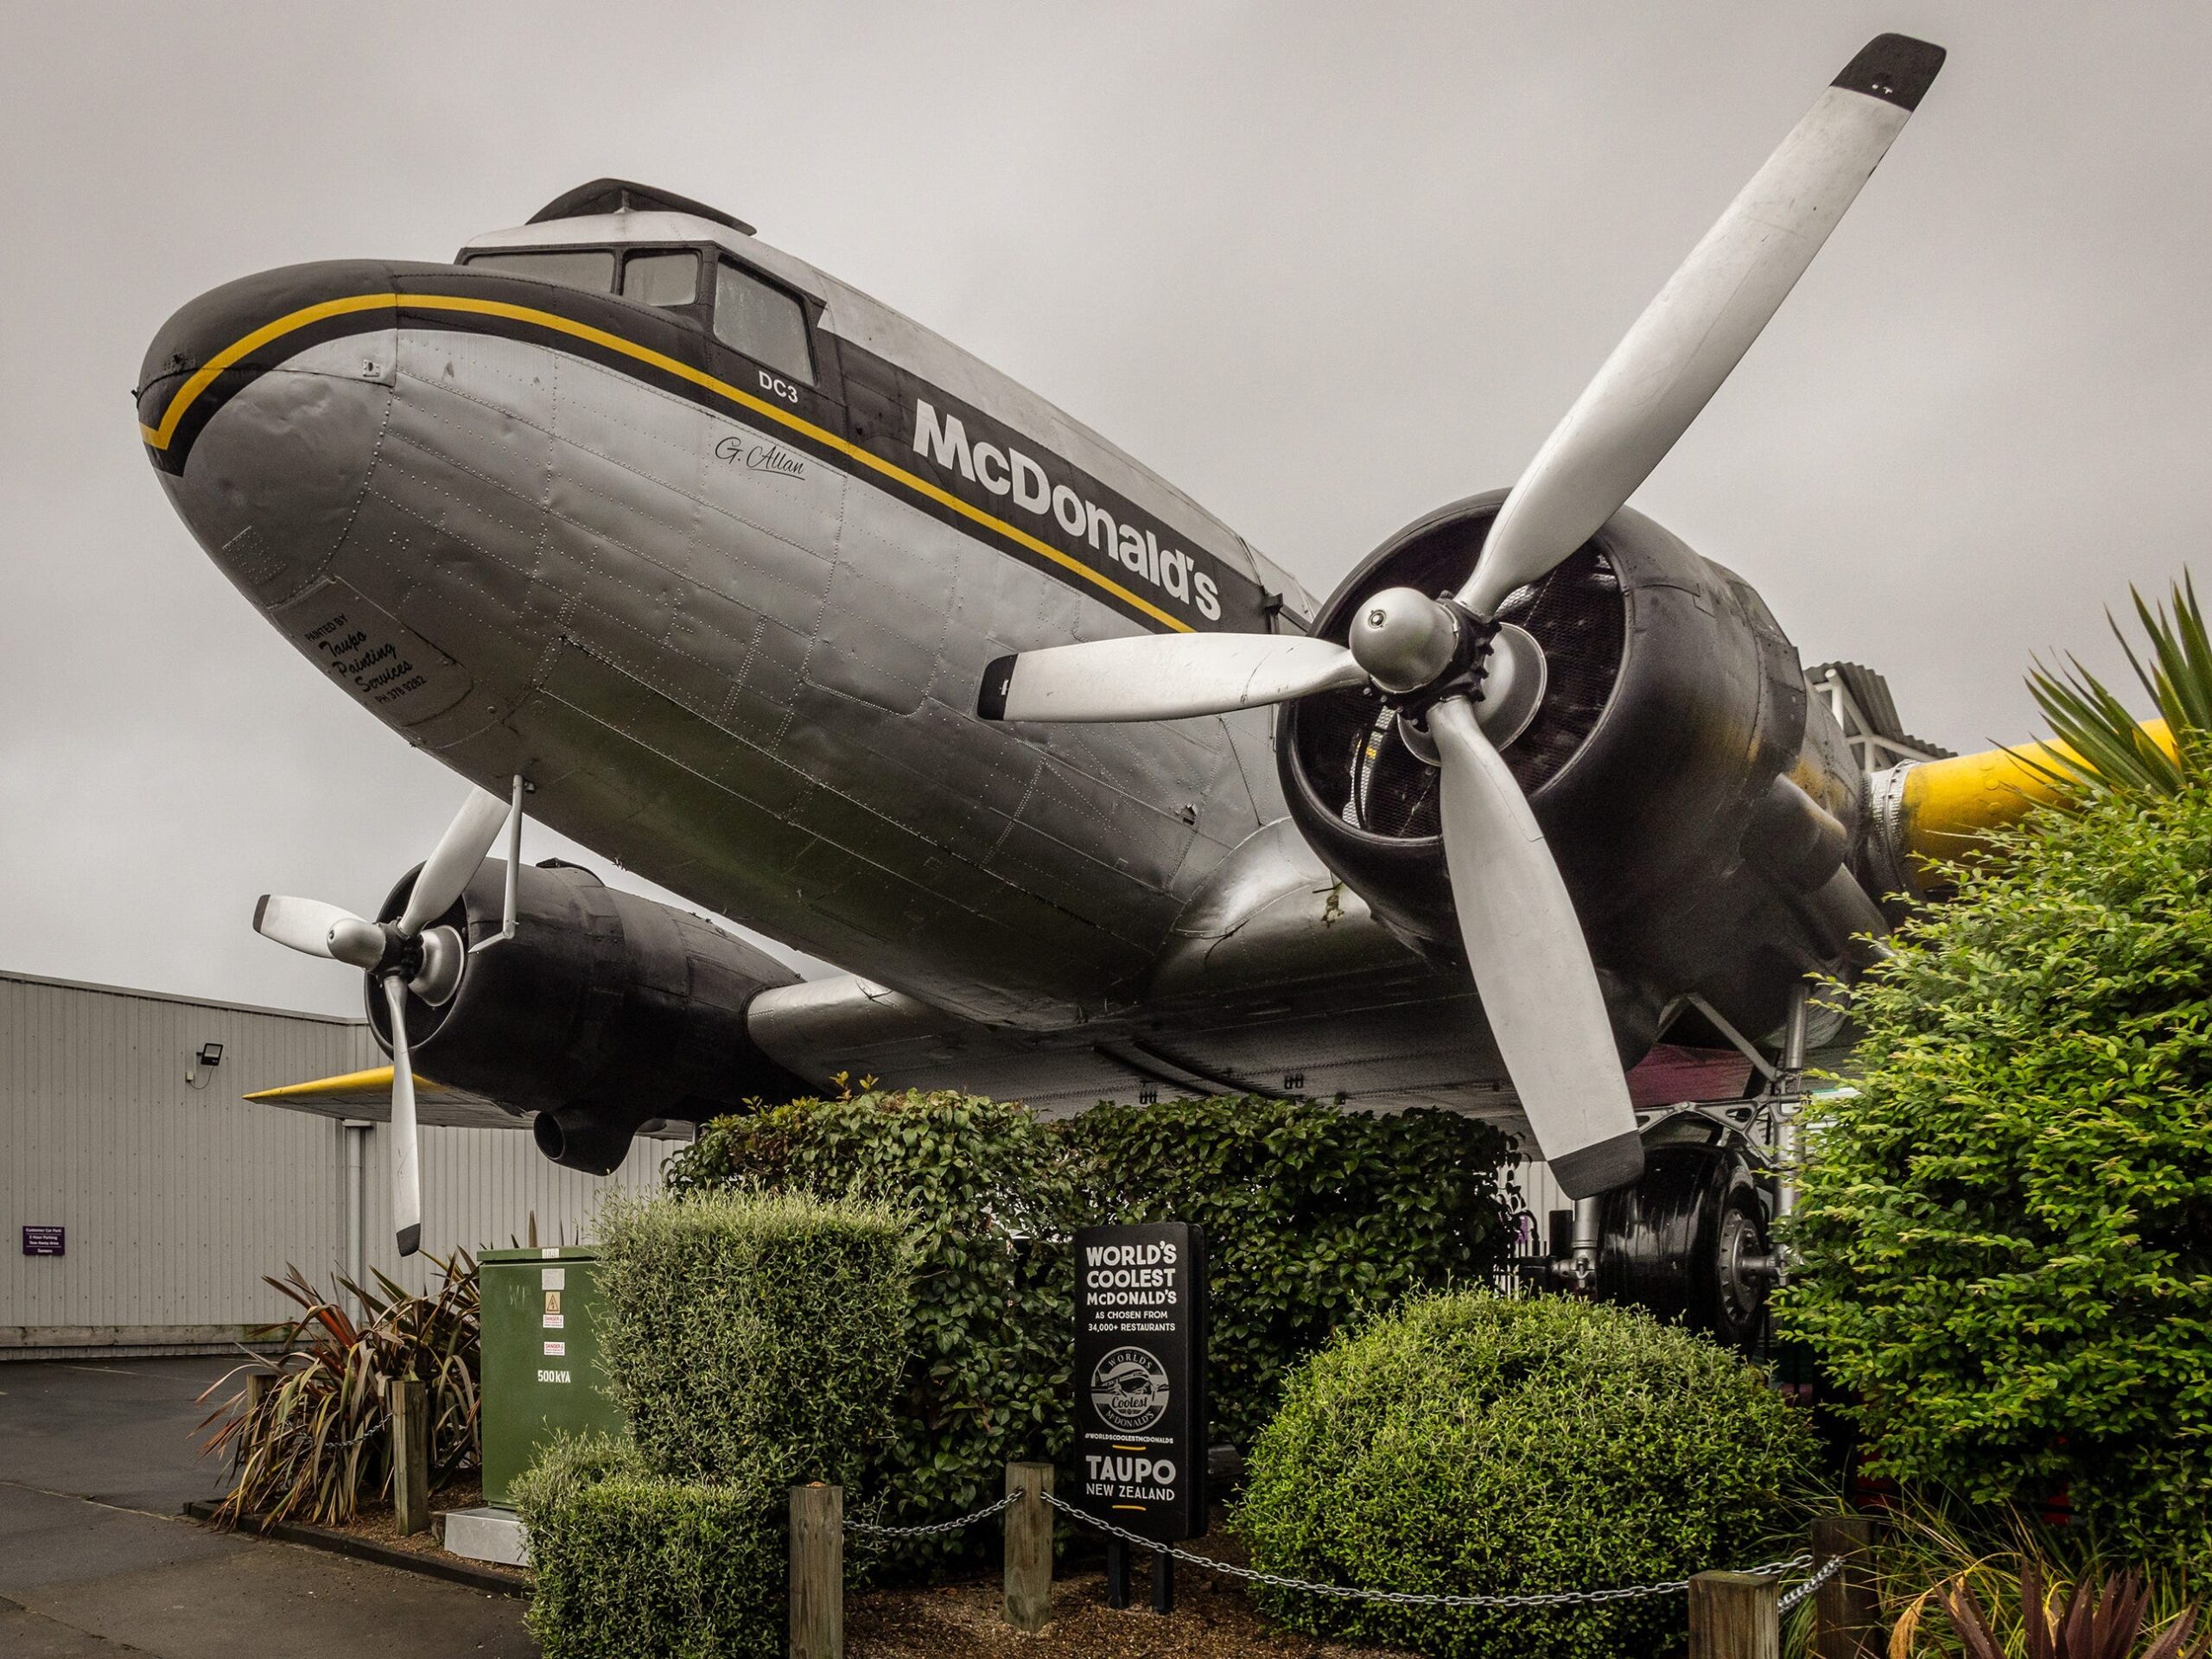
x=1325 y=266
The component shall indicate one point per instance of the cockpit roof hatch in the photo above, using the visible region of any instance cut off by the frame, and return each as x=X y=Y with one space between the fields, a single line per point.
x=621 y=196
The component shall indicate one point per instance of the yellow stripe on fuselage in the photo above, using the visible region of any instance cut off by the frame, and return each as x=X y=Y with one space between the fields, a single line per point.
x=158 y=437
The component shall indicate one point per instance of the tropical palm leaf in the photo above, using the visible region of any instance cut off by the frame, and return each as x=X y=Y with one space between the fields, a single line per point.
x=2100 y=745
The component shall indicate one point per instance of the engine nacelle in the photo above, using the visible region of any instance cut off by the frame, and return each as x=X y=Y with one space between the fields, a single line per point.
x=1700 y=805
x=605 y=1010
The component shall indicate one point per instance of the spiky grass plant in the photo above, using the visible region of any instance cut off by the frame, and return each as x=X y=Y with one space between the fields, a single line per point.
x=312 y=1441
x=2097 y=1620
x=1997 y=1584
x=2106 y=749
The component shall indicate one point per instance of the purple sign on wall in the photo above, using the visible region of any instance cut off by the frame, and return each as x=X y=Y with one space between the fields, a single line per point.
x=44 y=1240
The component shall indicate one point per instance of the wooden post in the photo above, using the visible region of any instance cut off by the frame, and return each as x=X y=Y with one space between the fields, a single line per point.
x=817 y=1571
x=1732 y=1616
x=410 y=1454
x=1029 y=1546
x=1846 y=1618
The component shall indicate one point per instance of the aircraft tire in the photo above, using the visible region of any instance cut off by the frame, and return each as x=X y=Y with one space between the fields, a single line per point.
x=1688 y=1242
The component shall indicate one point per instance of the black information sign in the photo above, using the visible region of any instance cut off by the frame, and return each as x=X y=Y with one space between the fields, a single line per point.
x=1140 y=1377
x=44 y=1241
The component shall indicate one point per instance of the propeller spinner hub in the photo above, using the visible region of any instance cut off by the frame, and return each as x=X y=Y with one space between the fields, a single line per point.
x=1404 y=639
x=362 y=944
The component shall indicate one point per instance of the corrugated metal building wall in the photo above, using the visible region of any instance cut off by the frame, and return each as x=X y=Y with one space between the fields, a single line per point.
x=176 y=1199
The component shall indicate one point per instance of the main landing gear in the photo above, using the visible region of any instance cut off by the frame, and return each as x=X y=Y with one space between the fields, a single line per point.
x=1691 y=1240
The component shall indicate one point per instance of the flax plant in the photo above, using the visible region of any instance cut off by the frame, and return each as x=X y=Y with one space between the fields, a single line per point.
x=315 y=1442
x=2101 y=747
x=2006 y=1587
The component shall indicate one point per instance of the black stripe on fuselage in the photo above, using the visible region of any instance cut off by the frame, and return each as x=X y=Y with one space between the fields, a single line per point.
x=888 y=402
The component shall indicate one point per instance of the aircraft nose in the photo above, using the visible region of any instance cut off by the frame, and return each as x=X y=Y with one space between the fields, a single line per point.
x=259 y=405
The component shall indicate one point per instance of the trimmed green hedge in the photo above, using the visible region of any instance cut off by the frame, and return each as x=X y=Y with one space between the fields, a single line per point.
x=2007 y=1235
x=628 y=1562
x=753 y=1338
x=753 y=1341
x=1314 y=1217
x=1471 y=1444
x=979 y=1182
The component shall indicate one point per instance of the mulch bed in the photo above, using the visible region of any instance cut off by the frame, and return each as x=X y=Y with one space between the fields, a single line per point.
x=1212 y=1620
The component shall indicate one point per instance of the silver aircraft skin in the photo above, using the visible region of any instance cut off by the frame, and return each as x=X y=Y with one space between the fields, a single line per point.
x=767 y=593
x=735 y=649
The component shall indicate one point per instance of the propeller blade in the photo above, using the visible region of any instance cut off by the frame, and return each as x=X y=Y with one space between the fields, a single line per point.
x=1162 y=676
x=458 y=851
x=406 y=1170
x=1532 y=965
x=318 y=930
x=1692 y=335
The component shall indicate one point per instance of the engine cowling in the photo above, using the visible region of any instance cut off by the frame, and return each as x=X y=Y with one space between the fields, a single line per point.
x=1700 y=805
x=604 y=1011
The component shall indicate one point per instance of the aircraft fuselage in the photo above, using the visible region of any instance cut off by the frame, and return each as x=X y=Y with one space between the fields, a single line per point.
x=730 y=624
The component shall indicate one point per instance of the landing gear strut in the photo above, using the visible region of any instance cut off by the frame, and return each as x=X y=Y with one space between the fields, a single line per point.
x=1690 y=1241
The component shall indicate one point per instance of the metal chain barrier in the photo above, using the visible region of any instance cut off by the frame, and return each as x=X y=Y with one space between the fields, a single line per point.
x=874 y=1530
x=1410 y=1598
x=1349 y=1592
x=1791 y=1598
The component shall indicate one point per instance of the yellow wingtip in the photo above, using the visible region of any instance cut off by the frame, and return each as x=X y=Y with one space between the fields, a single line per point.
x=375 y=1081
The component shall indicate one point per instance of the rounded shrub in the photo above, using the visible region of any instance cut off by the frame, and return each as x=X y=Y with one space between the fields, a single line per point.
x=1472 y=1444
x=2006 y=1234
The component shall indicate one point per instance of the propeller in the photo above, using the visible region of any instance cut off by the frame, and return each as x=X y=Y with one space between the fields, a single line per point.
x=405 y=956
x=1465 y=684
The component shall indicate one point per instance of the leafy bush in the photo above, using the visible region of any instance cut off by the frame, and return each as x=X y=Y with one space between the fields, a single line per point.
x=752 y=1338
x=1314 y=1218
x=2007 y=1234
x=629 y=1562
x=753 y=1341
x=982 y=1183
x=319 y=1439
x=1471 y=1443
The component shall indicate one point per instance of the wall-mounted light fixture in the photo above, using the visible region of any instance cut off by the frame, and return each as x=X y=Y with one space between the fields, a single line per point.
x=209 y=1057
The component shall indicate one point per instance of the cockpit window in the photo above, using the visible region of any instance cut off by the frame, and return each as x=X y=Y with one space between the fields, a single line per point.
x=765 y=323
x=661 y=278
x=591 y=268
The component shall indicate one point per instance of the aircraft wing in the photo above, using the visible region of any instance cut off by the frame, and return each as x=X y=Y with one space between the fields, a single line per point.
x=366 y=1096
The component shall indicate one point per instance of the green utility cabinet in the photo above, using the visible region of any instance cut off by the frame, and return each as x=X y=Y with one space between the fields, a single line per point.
x=540 y=1323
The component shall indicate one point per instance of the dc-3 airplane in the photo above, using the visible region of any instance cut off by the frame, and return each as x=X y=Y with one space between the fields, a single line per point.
x=779 y=600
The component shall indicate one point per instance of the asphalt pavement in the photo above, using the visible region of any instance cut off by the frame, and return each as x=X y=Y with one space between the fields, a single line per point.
x=96 y=1460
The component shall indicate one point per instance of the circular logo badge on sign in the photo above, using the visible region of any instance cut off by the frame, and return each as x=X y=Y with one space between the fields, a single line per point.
x=1129 y=1389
